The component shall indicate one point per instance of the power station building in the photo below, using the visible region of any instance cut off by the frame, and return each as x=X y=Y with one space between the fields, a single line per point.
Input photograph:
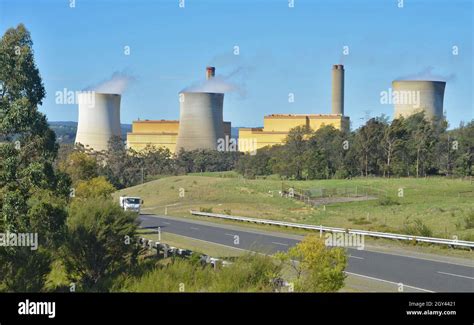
x=159 y=133
x=201 y=122
x=277 y=126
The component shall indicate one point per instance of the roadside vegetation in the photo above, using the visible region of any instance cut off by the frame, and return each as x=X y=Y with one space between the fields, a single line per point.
x=308 y=267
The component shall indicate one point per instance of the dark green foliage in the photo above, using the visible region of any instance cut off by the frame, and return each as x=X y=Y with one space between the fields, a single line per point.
x=196 y=161
x=32 y=194
x=387 y=200
x=100 y=243
x=409 y=146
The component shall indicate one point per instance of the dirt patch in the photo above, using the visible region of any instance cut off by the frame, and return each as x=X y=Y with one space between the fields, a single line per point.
x=331 y=200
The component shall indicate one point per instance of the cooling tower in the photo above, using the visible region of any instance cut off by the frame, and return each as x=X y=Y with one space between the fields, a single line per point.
x=338 y=89
x=99 y=119
x=413 y=96
x=200 y=121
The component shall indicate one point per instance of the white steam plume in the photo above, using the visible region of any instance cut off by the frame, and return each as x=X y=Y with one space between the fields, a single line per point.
x=116 y=84
x=234 y=82
x=427 y=74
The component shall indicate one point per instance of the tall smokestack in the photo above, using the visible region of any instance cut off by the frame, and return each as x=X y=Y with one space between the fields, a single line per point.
x=210 y=72
x=338 y=89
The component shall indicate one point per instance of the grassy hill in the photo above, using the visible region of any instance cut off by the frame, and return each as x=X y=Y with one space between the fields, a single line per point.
x=444 y=205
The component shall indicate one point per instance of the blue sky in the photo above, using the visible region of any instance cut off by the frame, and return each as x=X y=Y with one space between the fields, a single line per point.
x=282 y=50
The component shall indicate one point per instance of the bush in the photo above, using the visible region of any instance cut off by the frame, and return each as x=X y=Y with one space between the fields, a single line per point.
x=207 y=210
x=99 y=243
x=317 y=267
x=248 y=273
x=178 y=275
x=469 y=220
x=387 y=200
x=416 y=228
x=94 y=188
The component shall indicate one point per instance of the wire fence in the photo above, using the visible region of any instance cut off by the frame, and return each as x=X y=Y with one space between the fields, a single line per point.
x=316 y=195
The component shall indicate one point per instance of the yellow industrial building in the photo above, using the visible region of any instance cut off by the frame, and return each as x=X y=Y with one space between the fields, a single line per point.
x=277 y=126
x=164 y=133
x=158 y=133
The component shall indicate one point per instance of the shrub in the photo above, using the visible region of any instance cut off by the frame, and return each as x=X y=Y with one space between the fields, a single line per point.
x=416 y=228
x=317 y=267
x=99 y=243
x=469 y=220
x=94 y=188
x=249 y=273
x=387 y=200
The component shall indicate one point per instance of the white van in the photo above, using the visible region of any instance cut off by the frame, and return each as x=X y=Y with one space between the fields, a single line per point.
x=129 y=203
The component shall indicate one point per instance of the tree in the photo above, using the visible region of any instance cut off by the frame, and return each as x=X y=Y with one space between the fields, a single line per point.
x=79 y=166
x=289 y=161
x=462 y=149
x=317 y=268
x=368 y=141
x=391 y=142
x=32 y=194
x=100 y=245
x=325 y=153
x=119 y=167
x=156 y=161
x=97 y=187
x=420 y=141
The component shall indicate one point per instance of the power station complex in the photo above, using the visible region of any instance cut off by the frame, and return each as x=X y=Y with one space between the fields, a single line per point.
x=201 y=124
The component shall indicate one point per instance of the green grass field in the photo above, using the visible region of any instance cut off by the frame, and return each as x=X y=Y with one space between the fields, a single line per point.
x=442 y=204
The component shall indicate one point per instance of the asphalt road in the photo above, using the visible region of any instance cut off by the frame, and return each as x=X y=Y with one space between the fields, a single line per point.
x=423 y=274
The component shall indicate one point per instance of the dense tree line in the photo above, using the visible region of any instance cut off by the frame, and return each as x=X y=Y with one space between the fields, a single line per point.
x=124 y=167
x=410 y=146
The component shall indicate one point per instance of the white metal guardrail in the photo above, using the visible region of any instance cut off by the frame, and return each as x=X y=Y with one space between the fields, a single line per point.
x=433 y=240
